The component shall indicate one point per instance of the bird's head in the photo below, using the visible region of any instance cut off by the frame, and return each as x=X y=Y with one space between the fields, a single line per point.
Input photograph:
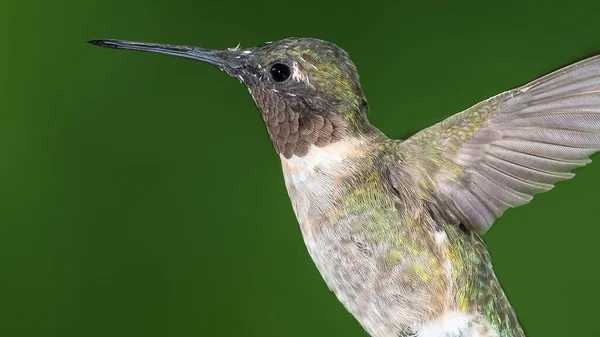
x=307 y=90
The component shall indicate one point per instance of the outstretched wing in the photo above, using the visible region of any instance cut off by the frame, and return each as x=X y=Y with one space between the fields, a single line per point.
x=502 y=151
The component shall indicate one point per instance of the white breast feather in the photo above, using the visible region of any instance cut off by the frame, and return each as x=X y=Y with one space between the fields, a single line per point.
x=456 y=324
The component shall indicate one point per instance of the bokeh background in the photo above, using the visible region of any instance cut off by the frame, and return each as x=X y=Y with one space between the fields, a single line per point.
x=140 y=195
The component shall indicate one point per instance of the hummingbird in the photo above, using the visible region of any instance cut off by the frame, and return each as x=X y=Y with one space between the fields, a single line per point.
x=394 y=226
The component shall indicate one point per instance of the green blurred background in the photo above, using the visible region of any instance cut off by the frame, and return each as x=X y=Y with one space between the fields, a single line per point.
x=141 y=196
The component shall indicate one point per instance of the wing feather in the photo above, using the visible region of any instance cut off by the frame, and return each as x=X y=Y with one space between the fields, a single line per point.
x=501 y=152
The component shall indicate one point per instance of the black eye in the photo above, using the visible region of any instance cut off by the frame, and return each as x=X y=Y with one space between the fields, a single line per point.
x=280 y=72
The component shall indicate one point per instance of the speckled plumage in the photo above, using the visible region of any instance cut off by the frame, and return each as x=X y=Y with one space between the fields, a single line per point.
x=375 y=245
x=393 y=225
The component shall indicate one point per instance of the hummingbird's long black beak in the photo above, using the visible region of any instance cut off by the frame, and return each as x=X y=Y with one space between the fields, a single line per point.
x=220 y=58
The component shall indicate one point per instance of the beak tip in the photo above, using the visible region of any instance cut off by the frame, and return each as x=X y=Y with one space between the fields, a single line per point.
x=102 y=43
x=96 y=42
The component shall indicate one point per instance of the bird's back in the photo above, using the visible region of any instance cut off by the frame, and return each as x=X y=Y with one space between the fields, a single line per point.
x=397 y=268
x=475 y=289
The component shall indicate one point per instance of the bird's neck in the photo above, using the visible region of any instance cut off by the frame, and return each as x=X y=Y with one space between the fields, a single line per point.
x=335 y=157
x=296 y=133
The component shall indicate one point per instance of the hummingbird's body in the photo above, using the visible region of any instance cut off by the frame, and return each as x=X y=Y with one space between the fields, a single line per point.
x=392 y=225
x=399 y=273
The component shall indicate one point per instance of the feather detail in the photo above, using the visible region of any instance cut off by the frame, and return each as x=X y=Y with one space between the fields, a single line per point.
x=501 y=152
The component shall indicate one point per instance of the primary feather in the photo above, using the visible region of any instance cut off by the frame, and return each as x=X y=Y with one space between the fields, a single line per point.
x=501 y=152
